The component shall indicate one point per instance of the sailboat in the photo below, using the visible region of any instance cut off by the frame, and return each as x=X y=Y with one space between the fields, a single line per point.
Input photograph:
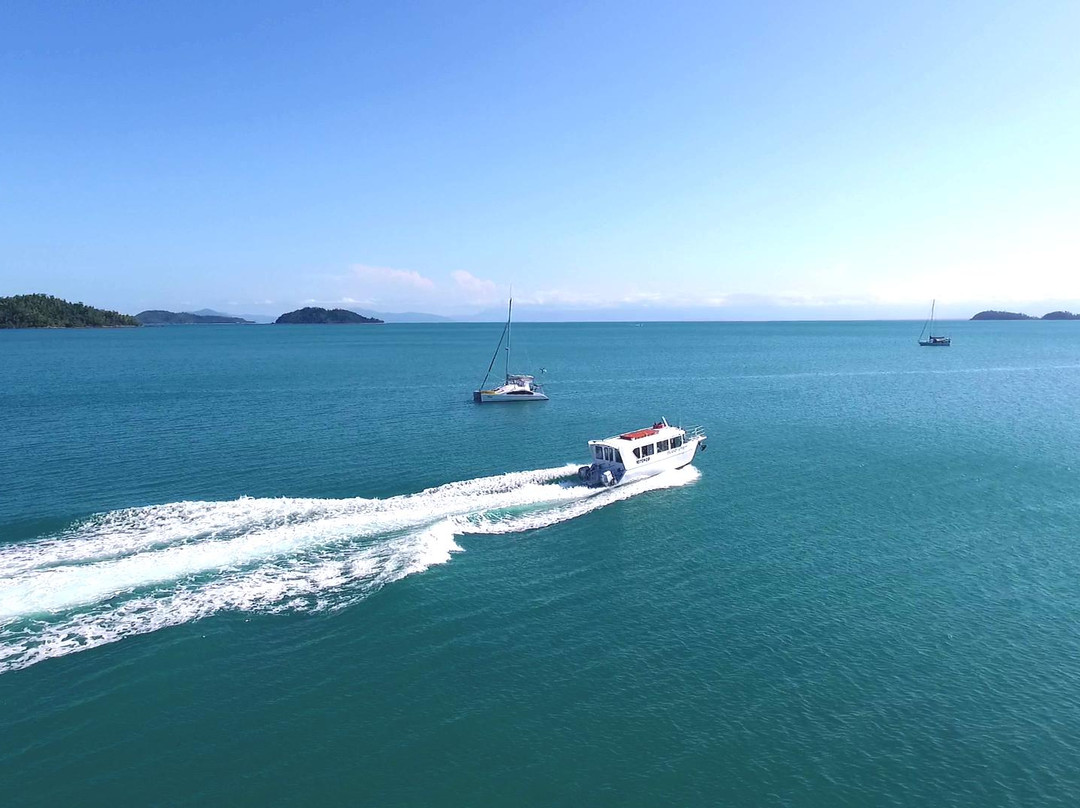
x=516 y=386
x=943 y=342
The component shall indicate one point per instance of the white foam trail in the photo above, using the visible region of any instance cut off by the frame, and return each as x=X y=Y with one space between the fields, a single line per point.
x=137 y=570
x=126 y=531
x=563 y=513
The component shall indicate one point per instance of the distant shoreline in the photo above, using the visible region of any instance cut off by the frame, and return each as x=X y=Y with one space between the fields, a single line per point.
x=470 y=323
x=65 y=327
x=46 y=311
x=992 y=314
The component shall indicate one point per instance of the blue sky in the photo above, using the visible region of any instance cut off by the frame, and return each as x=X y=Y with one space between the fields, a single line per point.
x=778 y=160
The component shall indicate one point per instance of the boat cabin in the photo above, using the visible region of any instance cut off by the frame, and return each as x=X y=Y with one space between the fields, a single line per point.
x=638 y=447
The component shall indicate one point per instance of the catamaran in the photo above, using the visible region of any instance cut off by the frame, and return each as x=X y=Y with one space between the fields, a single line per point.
x=935 y=341
x=516 y=386
x=641 y=453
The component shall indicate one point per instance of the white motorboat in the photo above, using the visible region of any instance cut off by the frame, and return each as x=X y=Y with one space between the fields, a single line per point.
x=516 y=386
x=641 y=453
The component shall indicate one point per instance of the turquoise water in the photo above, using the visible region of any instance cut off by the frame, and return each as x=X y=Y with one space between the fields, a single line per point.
x=295 y=566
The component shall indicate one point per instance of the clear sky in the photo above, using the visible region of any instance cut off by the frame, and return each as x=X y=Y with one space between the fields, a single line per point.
x=789 y=160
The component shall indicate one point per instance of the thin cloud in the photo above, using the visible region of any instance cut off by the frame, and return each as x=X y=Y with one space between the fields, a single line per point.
x=393 y=277
x=477 y=289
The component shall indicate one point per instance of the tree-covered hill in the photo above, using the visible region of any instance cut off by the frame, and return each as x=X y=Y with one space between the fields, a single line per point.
x=1012 y=315
x=159 y=317
x=315 y=315
x=1002 y=315
x=46 y=311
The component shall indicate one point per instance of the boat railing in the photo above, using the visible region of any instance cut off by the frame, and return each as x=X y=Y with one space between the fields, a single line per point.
x=695 y=433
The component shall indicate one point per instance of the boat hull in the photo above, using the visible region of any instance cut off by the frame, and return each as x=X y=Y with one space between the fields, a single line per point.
x=645 y=467
x=491 y=397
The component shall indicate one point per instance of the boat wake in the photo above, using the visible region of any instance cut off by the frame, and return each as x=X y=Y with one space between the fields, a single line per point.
x=136 y=570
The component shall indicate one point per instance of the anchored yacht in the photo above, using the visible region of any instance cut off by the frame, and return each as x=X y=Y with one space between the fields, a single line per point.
x=934 y=341
x=641 y=453
x=516 y=386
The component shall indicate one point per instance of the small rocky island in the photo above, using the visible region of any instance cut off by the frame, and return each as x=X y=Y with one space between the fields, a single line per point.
x=1015 y=315
x=46 y=311
x=313 y=315
x=159 y=317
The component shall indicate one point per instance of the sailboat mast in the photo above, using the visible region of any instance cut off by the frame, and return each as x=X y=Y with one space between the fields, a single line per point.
x=933 y=304
x=509 y=314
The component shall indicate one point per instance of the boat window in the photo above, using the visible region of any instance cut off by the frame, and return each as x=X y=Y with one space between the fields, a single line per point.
x=662 y=446
x=598 y=452
x=637 y=452
x=676 y=442
x=607 y=453
x=618 y=457
x=647 y=450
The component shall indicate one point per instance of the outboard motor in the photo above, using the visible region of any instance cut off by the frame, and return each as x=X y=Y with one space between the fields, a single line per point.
x=583 y=473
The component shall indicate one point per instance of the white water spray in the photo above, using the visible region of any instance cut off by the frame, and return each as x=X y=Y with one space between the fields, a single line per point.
x=136 y=570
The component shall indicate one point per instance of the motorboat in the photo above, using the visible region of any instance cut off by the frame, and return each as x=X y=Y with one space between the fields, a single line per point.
x=641 y=453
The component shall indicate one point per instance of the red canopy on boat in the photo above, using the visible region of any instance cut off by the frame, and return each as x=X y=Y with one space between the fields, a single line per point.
x=641 y=433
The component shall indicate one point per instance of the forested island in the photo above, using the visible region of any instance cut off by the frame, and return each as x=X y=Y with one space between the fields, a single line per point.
x=46 y=311
x=1002 y=315
x=313 y=315
x=159 y=317
x=1015 y=315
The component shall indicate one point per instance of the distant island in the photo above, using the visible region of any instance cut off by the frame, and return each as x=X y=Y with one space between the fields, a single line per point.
x=312 y=315
x=1002 y=315
x=252 y=318
x=159 y=317
x=1015 y=315
x=46 y=311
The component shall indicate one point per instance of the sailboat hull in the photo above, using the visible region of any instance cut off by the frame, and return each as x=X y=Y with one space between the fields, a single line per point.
x=496 y=397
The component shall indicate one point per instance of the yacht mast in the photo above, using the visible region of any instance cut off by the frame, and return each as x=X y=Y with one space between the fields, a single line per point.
x=509 y=313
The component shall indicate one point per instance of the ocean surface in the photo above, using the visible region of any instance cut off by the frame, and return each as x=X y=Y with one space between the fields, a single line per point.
x=295 y=565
